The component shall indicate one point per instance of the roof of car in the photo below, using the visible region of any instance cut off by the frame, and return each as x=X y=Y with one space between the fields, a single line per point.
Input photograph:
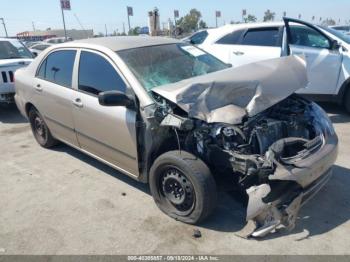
x=118 y=43
x=216 y=33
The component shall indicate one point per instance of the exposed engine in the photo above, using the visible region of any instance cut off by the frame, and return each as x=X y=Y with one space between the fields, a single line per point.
x=283 y=132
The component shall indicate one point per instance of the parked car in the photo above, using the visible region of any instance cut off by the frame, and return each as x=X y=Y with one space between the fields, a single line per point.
x=345 y=29
x=326 y=52
x=57 y=40
x=13 y=55
x=31 y=43
x=169 y=114
x=39 y=47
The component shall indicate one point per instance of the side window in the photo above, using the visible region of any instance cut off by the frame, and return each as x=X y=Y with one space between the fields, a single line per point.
x=306 y=36
x=199 y=38
x=58 y=68
x=97 y=75
x=262 y=37
x=231 y=39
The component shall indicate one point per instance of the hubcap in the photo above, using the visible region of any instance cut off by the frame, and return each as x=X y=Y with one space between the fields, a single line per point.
x=177 y=189
x=39 y=126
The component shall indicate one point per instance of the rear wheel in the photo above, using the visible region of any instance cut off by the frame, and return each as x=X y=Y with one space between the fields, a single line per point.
x=183 y=187
x=40 y=130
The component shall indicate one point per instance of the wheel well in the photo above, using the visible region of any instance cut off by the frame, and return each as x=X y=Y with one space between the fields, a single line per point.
x=168 y=144
x=343 y=90
x=28 y=106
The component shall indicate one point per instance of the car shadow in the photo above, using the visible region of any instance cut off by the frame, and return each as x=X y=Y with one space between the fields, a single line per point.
x=326 y=211
x=9 y=114
x=101 y=166
x=336 y=113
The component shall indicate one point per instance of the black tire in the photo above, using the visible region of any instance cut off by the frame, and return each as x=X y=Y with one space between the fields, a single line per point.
x=40 y=130
x=347 y=101
x=173 y=171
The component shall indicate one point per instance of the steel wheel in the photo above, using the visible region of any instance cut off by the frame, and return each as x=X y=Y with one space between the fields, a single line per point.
x=177 y=189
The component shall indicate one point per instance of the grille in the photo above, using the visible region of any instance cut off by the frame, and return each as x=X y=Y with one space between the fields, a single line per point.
x=7 y=76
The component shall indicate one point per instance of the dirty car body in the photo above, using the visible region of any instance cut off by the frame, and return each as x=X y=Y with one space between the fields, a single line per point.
x=243 y=123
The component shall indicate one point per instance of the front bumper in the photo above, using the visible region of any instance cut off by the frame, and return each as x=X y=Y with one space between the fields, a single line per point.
x=297 y=184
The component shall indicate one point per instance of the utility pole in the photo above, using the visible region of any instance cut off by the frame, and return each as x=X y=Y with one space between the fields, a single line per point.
x=3 y=23
x=124 y=28
x=33 y=26
x=106 y=29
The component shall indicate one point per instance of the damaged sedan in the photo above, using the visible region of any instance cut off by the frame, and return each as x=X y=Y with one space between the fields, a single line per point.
x=171 y=115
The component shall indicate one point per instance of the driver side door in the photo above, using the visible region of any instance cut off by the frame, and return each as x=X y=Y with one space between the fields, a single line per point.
x=106 y=132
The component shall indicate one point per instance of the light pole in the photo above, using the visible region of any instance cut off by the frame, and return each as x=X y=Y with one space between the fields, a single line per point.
x=3 y=23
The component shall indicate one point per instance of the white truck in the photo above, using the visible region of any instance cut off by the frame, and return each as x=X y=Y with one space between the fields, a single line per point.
x=13 y=55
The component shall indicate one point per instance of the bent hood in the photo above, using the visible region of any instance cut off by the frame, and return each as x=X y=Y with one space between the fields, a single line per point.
x=229 y=95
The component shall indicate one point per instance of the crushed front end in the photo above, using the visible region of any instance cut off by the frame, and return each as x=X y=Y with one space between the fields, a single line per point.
x=280 y=157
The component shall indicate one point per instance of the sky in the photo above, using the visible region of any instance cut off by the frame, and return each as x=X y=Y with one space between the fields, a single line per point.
x=19 y=15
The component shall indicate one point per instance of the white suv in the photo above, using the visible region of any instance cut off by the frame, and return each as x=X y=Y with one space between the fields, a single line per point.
x=13 y=55
x=326 y=52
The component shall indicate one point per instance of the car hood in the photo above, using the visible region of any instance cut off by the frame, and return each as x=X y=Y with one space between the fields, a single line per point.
x=229 y=95
x=17 y=62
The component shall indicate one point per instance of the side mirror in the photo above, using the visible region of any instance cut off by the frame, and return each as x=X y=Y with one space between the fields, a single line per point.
x=115 y=98
x=335 y=45
x=35 y=54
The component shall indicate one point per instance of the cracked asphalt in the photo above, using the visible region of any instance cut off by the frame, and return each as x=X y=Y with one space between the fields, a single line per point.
x=61 y=201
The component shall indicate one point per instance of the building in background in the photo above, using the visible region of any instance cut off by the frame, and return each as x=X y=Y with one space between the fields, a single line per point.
x=40 y=35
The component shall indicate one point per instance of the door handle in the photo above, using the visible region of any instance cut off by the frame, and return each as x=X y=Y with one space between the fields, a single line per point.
x=38 y=88
x=238 y=53
x=77 y=102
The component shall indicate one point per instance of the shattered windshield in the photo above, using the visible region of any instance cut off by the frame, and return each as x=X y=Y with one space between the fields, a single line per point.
x=165 y=64
x=13 y=49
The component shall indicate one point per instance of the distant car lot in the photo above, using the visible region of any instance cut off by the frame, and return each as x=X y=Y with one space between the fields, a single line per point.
x=79 y=206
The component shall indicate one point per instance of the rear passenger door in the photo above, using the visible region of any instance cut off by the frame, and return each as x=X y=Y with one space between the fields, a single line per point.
x=251 y=45
x=106 y=132
x=53 y=93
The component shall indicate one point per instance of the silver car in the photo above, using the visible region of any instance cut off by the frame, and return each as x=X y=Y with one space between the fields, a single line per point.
x=169 y=114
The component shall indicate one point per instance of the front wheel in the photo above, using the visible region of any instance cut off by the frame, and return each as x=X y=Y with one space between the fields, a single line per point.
x=40 y=130
x=183 y=187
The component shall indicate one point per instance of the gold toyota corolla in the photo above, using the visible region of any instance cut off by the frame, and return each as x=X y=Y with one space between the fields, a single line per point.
x=169 y=114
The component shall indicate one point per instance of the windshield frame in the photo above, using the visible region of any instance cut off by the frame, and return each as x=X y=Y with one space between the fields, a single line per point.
x=18 y=44
x=149 y=89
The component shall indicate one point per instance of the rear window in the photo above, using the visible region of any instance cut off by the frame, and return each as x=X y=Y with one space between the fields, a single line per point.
x=58 y=68
x=262 y=37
